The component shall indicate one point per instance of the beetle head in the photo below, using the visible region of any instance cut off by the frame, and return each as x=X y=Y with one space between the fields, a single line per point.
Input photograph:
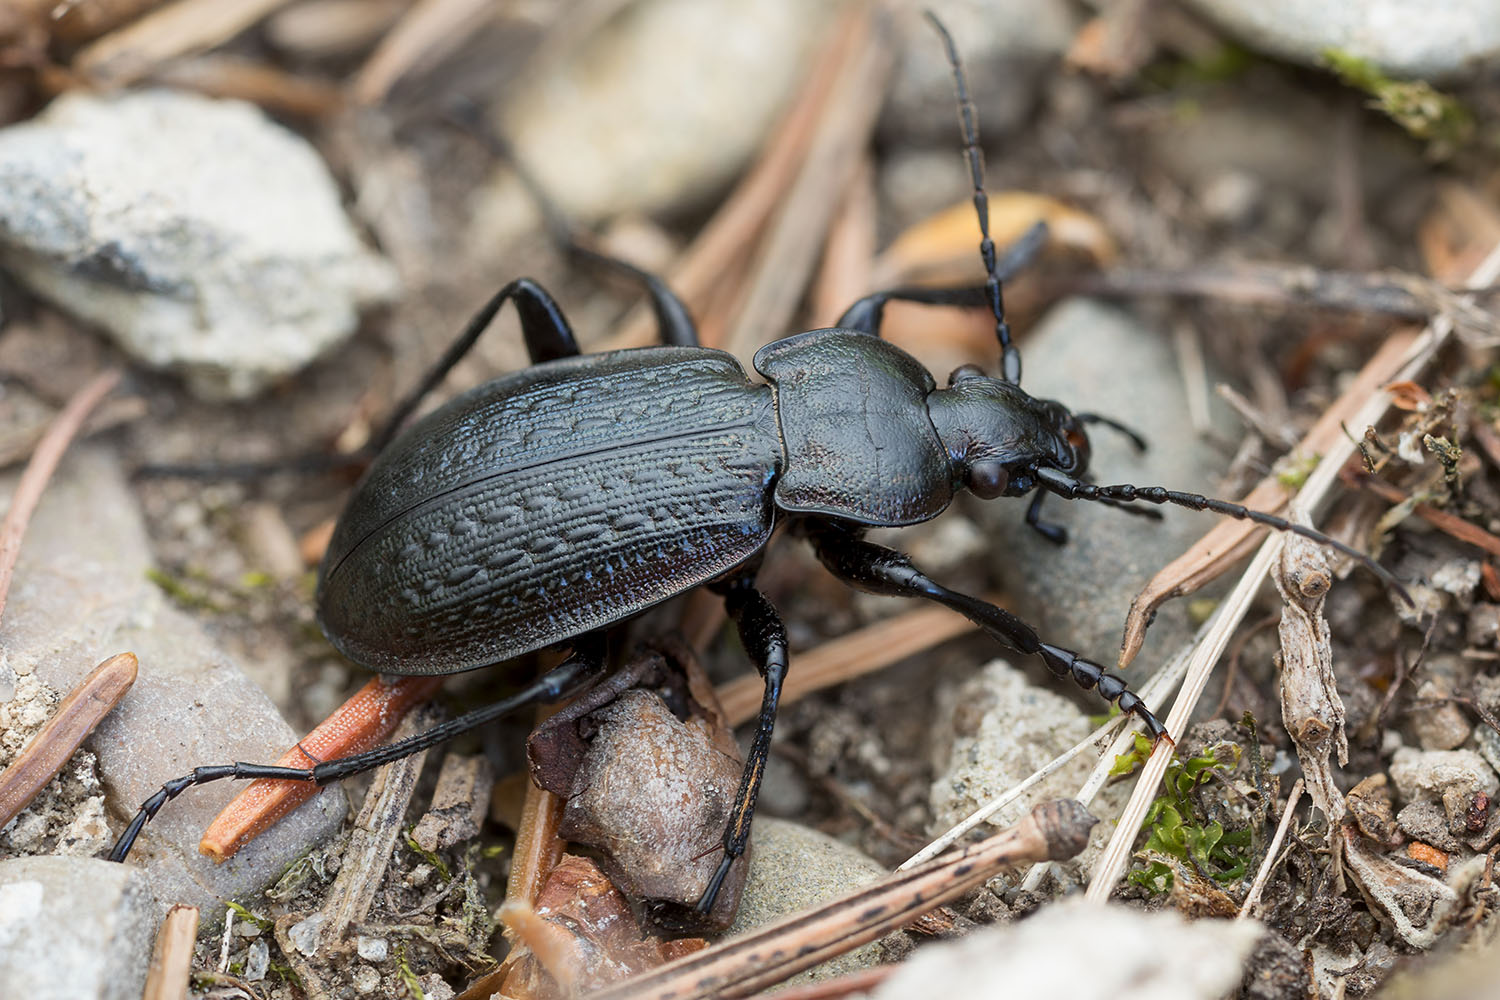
x=998 y=435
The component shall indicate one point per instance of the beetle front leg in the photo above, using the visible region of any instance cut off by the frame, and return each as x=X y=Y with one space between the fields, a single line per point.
x=764 y=638
x=880 y=570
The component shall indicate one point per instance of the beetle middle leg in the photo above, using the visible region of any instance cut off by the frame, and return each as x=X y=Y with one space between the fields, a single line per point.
x=764 y=638
x=879 y=570
x=584 y=664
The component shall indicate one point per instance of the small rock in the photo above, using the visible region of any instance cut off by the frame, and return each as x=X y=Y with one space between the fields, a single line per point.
x=1442 y=725
x=257 y=960
x=792 y=868
x=235 y=270
x=435 y=987
x=1457 y=778
x=372 y=949
x=1483 y=624
x=73 y=929
x=81 y=594
x=1149 y=956
x=1092 y=357
x=1425 y=820
x=366 y=979
x=306 y=934
x=1021 y=728
x=654 y=112
x=1007 y=50
x=1402 y=38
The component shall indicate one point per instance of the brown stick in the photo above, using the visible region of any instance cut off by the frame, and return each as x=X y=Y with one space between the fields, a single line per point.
x=854 y=655
x=1449 y=524
x=1228 y=541
x=721 y=245
x=361 y=723
x=49 y=451
x=181 y=28
x=83 y=709
x=172 y=961
x=776 y=951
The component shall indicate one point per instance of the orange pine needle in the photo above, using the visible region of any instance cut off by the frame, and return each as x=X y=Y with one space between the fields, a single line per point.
x=364 y=721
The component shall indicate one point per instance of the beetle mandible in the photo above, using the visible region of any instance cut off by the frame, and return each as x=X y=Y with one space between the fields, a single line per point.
x=543 y=507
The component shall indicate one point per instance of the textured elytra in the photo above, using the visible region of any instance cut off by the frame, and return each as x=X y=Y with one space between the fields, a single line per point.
x=548 y=503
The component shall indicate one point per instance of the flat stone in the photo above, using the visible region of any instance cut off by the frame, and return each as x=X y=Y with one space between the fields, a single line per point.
x=792 y=868
x=659 y=110
x=1453 y=38
x=74 y=929
x=200 y=235
x=80 y=595
x=1094 y=358
x=1139 y=956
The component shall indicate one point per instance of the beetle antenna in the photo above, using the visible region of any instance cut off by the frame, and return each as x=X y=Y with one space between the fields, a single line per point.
x=1010 y=358
x=1065 y=485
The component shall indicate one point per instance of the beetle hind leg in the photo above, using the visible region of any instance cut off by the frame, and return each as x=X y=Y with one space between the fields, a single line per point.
x=764 y=638
x=582 y=666
x=880 y=570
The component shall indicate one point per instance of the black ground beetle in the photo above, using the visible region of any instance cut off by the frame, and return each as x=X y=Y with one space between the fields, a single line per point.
x=547 y=505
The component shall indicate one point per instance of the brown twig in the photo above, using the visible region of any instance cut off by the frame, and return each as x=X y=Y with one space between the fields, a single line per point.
x=1450 y=524
x=49 y=451
x=776 y=951
x=361 y=723
x=785 y=258
x=428 y=29
x=172 y=961
x=721 y=247
x=860 y=982
x=1228 y=541
x=854 y=655
x=187 y=26
x=83 y=709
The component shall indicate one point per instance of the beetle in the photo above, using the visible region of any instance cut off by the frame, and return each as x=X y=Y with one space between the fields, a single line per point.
x=544 y=507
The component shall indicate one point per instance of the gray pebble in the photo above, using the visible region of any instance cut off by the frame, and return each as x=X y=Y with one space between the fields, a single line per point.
x=658 y=110
x=1406 y=39
x=1007 y=51
x=130 y=212
x=1095 y=358
x=73 y=929
x=81 y=594
x=793 y=867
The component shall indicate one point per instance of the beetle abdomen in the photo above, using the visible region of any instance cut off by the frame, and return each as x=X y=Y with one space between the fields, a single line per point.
x=548 y=503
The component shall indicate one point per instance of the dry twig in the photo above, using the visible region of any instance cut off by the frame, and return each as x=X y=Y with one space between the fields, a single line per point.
x=172 y=961
x=82 y=710
x=776 y=951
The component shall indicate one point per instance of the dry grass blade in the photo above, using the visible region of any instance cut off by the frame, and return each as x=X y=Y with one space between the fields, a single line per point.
x=361 y=723
x=188 y=26
x=172 y=961
x=1229 y=541
x=721 y=246
x=855 y=983
x=428 y=30
x=854 y=655
x=369 y=850
x=1261 y=877
x=1153 y=693
x=770 y=954
x=257 y=82
x=1413 y=361
x=786 y=257
x=49 y=451
x=83 y=709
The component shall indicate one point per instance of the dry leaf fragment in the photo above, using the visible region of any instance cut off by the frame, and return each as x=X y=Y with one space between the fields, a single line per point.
x=581 y=935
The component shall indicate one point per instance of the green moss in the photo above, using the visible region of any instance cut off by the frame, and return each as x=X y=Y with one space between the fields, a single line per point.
x=1425 y=112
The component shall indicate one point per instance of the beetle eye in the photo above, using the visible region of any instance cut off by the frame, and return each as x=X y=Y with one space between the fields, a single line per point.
x=986 y=479
x=965 y=371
